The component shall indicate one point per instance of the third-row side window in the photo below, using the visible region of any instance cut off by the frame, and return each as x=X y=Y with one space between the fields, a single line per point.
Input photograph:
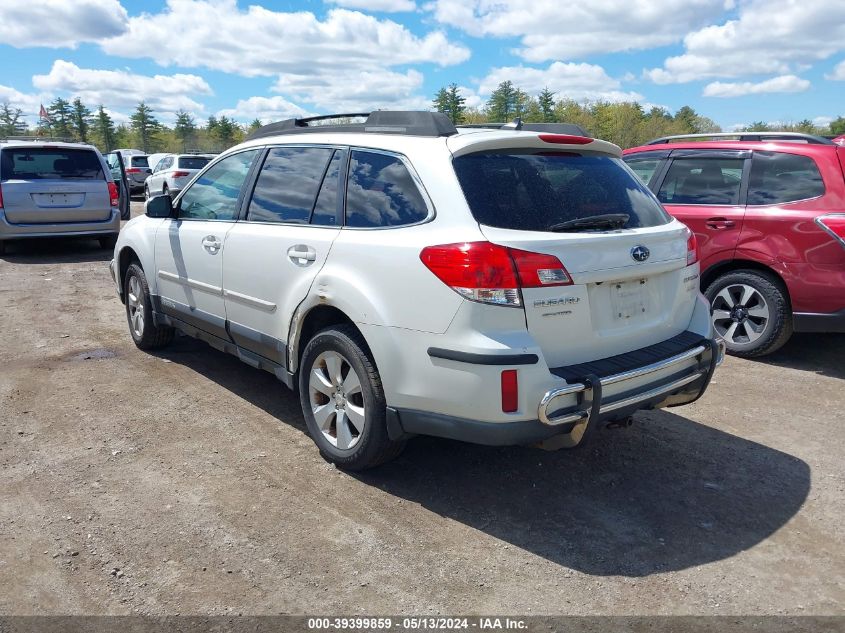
x=777 y=178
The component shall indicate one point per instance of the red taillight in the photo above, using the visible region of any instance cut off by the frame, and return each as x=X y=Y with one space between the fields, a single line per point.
x=565 y=139
x=180 y=174
x=833 y=224
x=114 y=196
x=133 y=170
x=692 y=249
x=510 y=391
x=490 y=273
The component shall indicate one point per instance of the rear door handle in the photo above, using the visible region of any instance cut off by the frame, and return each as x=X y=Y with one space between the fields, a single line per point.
x=720 y=223
x=211 y=244
x=302 y=254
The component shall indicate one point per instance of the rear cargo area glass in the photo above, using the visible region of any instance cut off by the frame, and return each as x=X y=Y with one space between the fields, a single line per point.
x=49 y=163
x=532 y=191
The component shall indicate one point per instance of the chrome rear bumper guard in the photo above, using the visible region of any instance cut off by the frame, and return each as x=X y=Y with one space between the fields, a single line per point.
x=590 y=406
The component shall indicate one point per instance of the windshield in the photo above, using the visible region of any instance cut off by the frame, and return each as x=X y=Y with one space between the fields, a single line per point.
x=555 y=191
x=193 y=162
x=20 y=163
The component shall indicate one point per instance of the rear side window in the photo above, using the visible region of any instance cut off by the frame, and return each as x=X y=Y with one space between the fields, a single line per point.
x=49 y=163
x=536 y=191
x=193 y=162
x=702 y=181
x=777 y=178
x=288 y=184
x=382 y=192
x=138 y=161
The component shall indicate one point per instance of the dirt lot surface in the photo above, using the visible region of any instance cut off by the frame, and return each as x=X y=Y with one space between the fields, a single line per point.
x=184 y=482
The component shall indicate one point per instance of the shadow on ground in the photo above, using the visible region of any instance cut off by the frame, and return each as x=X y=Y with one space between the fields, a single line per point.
x=665 y=495
x=819 y=353
x=55 y=250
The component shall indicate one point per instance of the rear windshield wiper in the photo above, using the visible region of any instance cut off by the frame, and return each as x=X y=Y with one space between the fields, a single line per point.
x=606 y=221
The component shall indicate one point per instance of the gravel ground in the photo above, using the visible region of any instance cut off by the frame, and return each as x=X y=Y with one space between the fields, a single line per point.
x=184 y=482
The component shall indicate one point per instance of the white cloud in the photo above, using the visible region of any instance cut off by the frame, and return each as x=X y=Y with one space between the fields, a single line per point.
x=165 y=94
x=784 y=83
x=568 y=80
x=59 y=23
x=387 y=6
x=356 y=91
x=266 y=109
x=216 y=34
x=27 y=102
x=769 y=36
x=550 y=29
x=838 y=73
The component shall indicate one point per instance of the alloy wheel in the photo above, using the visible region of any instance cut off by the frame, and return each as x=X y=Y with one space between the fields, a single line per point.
x=740 y=314
x=135 y=305
x=337 y=401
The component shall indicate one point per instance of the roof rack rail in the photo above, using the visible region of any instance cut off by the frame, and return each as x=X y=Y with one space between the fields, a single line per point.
x=48 y=139
x=404 y=122
x=810 y=139
x=518 y=125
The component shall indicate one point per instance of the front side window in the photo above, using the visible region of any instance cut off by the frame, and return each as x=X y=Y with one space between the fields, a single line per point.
x=288 y=184
x=214 y=195
x=382 y=192
x=49 y=164
x=548 y=191
x=702 y=181
x=777 y=178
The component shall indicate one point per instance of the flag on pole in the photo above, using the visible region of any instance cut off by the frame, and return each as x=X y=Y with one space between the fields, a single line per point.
x=43 y=115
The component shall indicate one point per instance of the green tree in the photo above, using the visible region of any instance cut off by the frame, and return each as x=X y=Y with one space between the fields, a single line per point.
x=806 y=126
x=757 y=126
x=81 y=117
x=185 y=129
x=837 y=126
x=256 y=123
x=503 y=103
x=546 y=101
x=145 y=126
x=61 y=118
x=104 y=131
x=224 y=132
x=451 y=102
x=11 y=120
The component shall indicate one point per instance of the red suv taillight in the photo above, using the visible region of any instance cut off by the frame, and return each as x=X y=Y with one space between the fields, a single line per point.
x=490 y=273
x=834 y=224
x=114 y=197
x=692 y=249
x=133 y=170
x=180 y=174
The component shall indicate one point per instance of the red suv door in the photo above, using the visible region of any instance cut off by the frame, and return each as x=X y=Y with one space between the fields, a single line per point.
x=706 y=191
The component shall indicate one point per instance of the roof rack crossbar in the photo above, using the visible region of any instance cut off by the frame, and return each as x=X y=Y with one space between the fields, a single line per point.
x=404 y=122
x=811 y=139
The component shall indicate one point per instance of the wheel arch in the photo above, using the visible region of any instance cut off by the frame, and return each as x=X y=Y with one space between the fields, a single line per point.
x=307 y=324
x=731 y=265
x=125 y=258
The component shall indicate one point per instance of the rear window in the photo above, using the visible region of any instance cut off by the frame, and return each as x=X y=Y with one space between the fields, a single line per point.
x=138 y=161
x=536 y=191
x=193 y=162
x=49 y=163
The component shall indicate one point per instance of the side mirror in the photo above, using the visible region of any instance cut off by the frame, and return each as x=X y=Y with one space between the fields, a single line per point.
x=159 y=207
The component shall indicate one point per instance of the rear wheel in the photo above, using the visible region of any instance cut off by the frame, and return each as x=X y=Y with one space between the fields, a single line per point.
x=343 y=400
x=750 y=310
x=139 y=312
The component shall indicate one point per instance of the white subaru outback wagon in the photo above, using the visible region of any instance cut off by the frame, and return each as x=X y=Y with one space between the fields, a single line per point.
x=498 y=286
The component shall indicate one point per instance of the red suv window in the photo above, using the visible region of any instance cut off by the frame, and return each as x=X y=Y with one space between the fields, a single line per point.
x=702 y=181
x=777 y=177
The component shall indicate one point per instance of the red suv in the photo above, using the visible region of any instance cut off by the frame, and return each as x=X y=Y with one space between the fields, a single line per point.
x=768 y=210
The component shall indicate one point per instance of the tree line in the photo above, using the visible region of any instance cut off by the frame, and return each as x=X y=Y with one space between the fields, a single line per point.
x=627 y=124
x=73 y=120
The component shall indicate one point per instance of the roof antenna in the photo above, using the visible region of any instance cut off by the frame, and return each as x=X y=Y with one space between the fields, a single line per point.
x=516 y=124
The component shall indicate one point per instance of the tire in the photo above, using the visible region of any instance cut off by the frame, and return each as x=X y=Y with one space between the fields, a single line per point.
x=750 y=309
x=108 y=241
x=146 y=334
x=352 y=429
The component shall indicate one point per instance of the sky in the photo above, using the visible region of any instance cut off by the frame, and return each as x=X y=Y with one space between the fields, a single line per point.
x=735 y=61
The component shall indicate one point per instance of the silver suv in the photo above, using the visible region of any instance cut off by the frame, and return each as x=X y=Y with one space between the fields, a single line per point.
x=56 y=189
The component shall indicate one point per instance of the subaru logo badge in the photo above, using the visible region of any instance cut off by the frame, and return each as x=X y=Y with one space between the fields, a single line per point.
x=640 y=253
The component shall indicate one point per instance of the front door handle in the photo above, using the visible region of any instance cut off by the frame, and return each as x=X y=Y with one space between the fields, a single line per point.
x=720 y=223
x=302 y=254
x=211 y=244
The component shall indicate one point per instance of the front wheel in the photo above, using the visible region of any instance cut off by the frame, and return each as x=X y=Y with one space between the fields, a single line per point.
x=750 y=309
x=139 y=312
x=343 y=400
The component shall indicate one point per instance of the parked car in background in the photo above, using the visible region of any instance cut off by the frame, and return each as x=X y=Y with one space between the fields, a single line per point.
x=136 y=166
x=154 y=159
x=499 y=286
x=768 y=210
x=173 y=172
x=56 y=189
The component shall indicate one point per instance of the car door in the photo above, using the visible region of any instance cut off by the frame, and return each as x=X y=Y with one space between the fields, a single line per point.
x=706 y=190
x=188 y=248
x=274 y=253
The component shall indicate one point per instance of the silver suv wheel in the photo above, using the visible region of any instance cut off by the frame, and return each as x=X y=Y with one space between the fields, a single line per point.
x=740 y=314
x=336 y=399
x=135 y=304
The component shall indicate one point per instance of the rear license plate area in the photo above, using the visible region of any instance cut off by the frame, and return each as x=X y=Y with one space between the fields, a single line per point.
x=629 y=299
